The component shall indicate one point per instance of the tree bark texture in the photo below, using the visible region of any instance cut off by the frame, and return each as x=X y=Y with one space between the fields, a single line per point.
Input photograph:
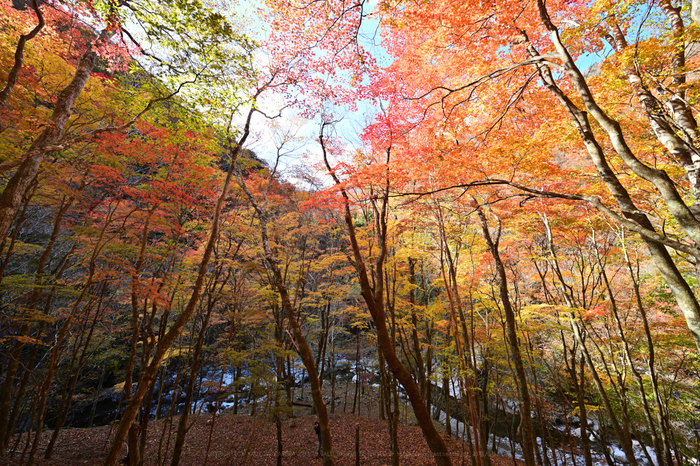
x=19 y=183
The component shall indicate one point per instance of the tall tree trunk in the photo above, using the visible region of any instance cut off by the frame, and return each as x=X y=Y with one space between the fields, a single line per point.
x=526 y=426
x=466 y=362
x=579 y=382
x=417 y=353
x=13 y=360
x=149 y=374
x=17 y=186
x=29 y=368
x=73 y=378
x=373 y=297
x=194 y=370
x=58 y=344
x=302 y=346
x=630 y=362
x=679 y=287
x=580 y=338
x=651 y=361
x=133 y=455
x=355 y=399
x=19 y=58
x=389 y=405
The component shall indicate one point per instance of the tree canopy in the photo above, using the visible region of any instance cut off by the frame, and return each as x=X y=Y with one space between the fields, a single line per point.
x=495 y=202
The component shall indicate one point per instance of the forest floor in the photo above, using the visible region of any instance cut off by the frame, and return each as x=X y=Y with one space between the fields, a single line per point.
x=239 y=439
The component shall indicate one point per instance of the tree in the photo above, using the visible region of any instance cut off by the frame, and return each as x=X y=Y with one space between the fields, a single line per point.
x=187 y=65
x=373 y=294
x=263 y=215
x=473 y=106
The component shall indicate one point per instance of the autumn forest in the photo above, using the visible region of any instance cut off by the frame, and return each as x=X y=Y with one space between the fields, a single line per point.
x=472 y=226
